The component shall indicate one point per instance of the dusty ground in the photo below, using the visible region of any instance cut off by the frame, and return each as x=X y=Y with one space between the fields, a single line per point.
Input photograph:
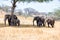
x=28 y=32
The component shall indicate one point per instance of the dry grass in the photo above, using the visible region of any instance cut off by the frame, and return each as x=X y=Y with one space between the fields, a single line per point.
x=29 y=32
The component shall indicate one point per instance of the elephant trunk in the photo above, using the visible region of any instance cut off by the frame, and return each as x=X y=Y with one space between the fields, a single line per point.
x=5 y=21
x=33 y=22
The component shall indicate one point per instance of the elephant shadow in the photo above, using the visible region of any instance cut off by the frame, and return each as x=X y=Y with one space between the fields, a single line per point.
x=22 y=26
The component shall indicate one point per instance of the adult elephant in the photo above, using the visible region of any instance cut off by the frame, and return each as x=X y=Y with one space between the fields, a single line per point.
x=50 y=22
x=39 y=20
x=12 y=20
x=7 y=17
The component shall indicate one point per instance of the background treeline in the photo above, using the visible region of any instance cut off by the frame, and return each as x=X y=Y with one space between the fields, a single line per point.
x=30 y=12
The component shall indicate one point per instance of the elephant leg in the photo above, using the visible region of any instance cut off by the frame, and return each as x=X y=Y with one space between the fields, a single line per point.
x=52 y=25
x=48 y=25
x=16 y=23
x=5 y=21
x=33 y=22
x=12 y=23
x=40 y=23
x=37 y=23
x=43 y=23
x=9 y=22
x=19 y=23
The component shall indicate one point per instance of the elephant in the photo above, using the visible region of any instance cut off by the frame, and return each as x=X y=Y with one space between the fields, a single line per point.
x=12 y=20
x=50 y=22
x=39 y=23
x=7 y=17
x=15 y=22
x=39 y=20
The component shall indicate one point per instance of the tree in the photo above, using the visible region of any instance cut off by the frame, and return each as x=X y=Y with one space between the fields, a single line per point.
x=15 y=1
x=5 y=8
x=29 y=11
x=57 y=12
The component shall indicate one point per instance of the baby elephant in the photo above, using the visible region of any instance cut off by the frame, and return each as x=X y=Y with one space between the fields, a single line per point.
x=39 y=23
x=50 y=22
x=15 y=22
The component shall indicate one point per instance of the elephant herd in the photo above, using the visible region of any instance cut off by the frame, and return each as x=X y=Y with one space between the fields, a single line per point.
x=40 y=21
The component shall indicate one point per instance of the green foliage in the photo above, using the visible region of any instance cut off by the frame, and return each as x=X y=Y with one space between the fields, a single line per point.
x=33 y=0
x=15 y=1
x=49 y=13
x=5 y=8
x=57 y=12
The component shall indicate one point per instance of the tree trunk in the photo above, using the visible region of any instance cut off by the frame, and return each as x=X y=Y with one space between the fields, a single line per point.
x=13 y=7
x=12 y=10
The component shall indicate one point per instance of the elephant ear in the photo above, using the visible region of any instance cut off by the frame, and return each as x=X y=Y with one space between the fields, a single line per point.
x=6 y=16
x=15 y=17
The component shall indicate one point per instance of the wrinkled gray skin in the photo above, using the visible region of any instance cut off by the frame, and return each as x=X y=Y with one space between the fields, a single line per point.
x=39 y=20
x=7 y=17
x=50 y=22
x=12 y=20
